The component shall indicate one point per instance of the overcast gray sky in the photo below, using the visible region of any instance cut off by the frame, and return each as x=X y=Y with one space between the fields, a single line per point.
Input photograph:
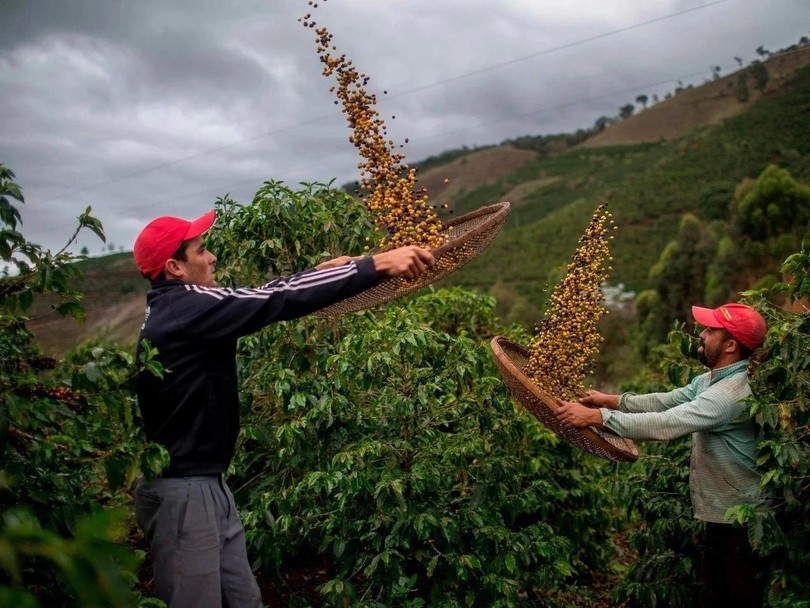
x=146 y=108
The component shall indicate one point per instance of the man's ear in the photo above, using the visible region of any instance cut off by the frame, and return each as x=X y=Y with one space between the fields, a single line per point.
x=732 y=346
x=173 y=269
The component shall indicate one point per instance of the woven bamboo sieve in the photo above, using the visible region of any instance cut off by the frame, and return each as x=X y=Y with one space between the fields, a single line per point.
x=511 y=359
x=468 y=236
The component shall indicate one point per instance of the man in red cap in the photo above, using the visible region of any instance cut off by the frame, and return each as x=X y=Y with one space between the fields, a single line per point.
x=712 y=408
x=188 y=514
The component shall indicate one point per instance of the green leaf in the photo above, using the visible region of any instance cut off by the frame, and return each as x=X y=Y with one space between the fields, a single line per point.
x=510 y=563
x=369 y=570
x=154 y=368
x=74 y=309
x=432 y=565
x=116 y=467
x=154 y=459
x=93 y=372
x=88 y=221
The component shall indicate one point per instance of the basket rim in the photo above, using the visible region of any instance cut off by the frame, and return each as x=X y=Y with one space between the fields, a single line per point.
x=495 y=217
x=588 y=434
x=496 y=211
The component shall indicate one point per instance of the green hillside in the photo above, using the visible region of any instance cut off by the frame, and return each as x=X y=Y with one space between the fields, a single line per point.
x=113 y=299
x=382 y=460
x=648 y=187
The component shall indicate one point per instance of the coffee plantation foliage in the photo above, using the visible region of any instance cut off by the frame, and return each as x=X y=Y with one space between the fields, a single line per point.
x=667 y=541
x=381 y=445
x=384 y=444
x=70 y=443
x=716 y=260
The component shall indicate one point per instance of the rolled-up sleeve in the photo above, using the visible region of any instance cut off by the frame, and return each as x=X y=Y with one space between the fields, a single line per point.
x=660 y=402
x=665 y=416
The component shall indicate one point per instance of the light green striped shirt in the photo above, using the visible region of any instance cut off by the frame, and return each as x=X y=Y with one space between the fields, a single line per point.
x=711 y=407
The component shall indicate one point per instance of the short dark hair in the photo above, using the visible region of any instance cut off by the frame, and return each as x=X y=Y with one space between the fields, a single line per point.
x=745 y=352
x=179 y=254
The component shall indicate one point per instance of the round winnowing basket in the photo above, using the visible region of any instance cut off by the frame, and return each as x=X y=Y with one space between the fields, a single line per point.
x=468 y=236
x=511 y=359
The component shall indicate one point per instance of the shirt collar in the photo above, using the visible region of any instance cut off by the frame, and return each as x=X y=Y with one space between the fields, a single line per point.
x=728 y=370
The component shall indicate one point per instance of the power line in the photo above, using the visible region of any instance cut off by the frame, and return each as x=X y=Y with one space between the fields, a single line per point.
x=557 y=48
x=632 y=89
x=213 y=191
x=568 y=104
x=398 y=95
x=259 y=179
x=186 y=158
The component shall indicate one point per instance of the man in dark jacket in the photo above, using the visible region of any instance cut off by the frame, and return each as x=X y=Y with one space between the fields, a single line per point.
x=188 y=514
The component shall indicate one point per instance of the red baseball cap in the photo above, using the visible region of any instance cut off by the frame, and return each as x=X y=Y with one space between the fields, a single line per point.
x=742 y=322
x=157 y=242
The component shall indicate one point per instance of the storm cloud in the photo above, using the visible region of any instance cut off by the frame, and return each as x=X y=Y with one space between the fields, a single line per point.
x=157 y=107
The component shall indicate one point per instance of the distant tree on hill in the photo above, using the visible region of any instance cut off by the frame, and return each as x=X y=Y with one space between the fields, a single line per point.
x=548 y=144
x=738 y=60
x=770 y=207
x=741 y=237
x=654 y=99
x=768 y=218
x=743 y=94
x=626 y=111
x=727 y=274
x=714 y=200
x=678 y=280
x=716 y=72
x=760 y=75
x=642 y=99
x=601 y=123
x=763 y=52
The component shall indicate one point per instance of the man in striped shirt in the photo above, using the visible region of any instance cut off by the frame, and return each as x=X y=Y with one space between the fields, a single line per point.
x=188 y=514
x=712 y=408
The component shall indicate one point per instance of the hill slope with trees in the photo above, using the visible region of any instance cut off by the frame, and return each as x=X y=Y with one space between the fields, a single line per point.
x=554 y=183
x=381 y=456
x=648 y=187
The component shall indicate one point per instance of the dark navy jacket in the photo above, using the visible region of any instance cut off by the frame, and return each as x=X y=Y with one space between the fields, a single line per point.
x=194 y=409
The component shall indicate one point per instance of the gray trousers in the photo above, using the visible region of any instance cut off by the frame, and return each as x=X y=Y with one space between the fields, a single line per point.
x=197 y=542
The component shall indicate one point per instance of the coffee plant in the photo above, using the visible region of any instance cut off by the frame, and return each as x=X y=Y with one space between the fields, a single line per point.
x=69 y=440
x=667 y=540
x=384 y=445
x=380 y=446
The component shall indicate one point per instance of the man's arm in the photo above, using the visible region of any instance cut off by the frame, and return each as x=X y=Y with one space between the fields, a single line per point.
x=709 y=410
x=575 y=415
x=586 y=412
x=597 y=399
x=215 y=312
x=407 y=262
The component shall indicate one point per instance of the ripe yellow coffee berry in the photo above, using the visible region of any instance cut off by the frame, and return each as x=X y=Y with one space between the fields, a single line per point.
x=567 y=339
x=387 y=185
